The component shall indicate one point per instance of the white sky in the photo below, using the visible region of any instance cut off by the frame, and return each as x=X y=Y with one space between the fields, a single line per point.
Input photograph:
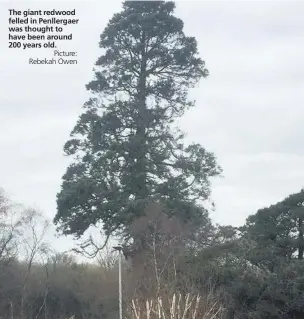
x=249 y=111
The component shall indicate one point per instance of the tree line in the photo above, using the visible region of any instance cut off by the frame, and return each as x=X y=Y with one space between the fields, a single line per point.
x=252 y=271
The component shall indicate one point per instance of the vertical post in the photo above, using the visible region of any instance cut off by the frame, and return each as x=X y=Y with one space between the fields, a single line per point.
x=119 y=249
x=119 y=283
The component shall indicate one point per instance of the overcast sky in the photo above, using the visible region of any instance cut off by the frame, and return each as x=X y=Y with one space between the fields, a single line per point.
x=249 y=112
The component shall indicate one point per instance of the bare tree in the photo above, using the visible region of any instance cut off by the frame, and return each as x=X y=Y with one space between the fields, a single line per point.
x=10 y=229
x=36 y=228
x=47 y=285
x=158 y=241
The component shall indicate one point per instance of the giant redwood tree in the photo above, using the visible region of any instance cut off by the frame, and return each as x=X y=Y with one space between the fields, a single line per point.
x=125 y=149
